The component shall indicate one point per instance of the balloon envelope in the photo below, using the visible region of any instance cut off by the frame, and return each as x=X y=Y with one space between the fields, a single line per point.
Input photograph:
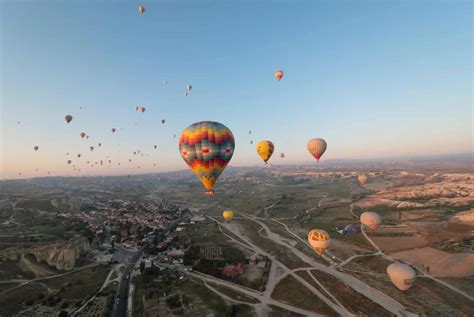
x=362 y=178
x=279 y=75
x=141 y=9
x=207 y=147
x=265 y=150
x=401 y=275
x=352 y=228
x=319 y=240
x=370 y=219
x=317 y=147
x=68 y=118
x=228 y=215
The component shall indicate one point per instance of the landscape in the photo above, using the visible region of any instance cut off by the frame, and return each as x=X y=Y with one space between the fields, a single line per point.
x=236 y=158
x=149 y=244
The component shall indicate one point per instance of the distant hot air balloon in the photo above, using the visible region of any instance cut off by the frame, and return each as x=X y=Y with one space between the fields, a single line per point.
x=67 y=153
x=129 y=160
x=370 y=219
x=68 y=118
x=189 y=87
x=155 y=146
x=18 y=122
x=69 y=161
x=352 y=229
x=279 y=75
x=401 y=275
x=362 y=178
x=251 y=142
x=174 y=136
x=141 y=9
x=250 y=132
x=282 y=155
x=82 y=134
x=113 y=130
x=165 y=82
x=186 y=93
x=91 y=148
x=265 y=150
x=87 y=136
x=134 y=153
x=163 y=121
x=319 y=240
x=228 y=215
x=35 y=148
x=207 y=147
x=317 y=147
x=78 y=155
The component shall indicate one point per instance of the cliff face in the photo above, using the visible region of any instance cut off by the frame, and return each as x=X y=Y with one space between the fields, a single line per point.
x=63 y=254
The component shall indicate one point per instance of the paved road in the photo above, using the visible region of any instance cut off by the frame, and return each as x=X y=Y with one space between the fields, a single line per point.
x=122 y=296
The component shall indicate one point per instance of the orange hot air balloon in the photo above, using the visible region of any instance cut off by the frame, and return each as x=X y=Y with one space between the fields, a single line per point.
x=141 y=9
x=317 y=147
x=82 y=134
x=68 y=118
x=319 y=240
x=279 y=75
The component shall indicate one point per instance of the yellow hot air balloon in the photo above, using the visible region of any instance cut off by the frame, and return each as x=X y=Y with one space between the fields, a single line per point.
x=401 y=275
x=228 y=215
x=362 y=178
x=317 y=147
x=370 y=219
x=319 y=240
x=265 y=150
x=279 y=75
x=141 y=9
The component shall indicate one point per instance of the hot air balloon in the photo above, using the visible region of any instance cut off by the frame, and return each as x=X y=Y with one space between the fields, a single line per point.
x=251 y=142
x=113 y=130
x=319 y=240
x=317 y=147
x=82 y=134
x=68 y=118
x=250 y=132
x=401 y=275
x=186 y=93
x=279 y=75
x=362 y=178
x=129 y=160
x=18 y=122
x=370 y=219
x=228 y=215
x=140 y=109
x=207 y=148
x=282 y=155
x=189 y=87
x=69 y=161
x=36 y=148
x=155 y=146
x=141 y=9
x=67 y=153
x=265 y=150
x=165 y=82
x=78 y=155
x=91 y=148
x=163 y=121
x=87 y=136
x=174 y=136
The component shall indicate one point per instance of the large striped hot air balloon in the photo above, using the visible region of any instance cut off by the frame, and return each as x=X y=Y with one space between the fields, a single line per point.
x=265 y=150
x=207 y=148
x=319 y=240
x=317 y=147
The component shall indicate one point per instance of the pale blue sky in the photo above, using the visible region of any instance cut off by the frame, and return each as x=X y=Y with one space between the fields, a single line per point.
x=374 y=78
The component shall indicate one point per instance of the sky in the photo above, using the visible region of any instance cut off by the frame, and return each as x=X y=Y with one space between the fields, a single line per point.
x=375 y=79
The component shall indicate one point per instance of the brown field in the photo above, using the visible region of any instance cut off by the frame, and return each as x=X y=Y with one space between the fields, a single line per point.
x=392 y=244
x=291 y=292
x=442 y=264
